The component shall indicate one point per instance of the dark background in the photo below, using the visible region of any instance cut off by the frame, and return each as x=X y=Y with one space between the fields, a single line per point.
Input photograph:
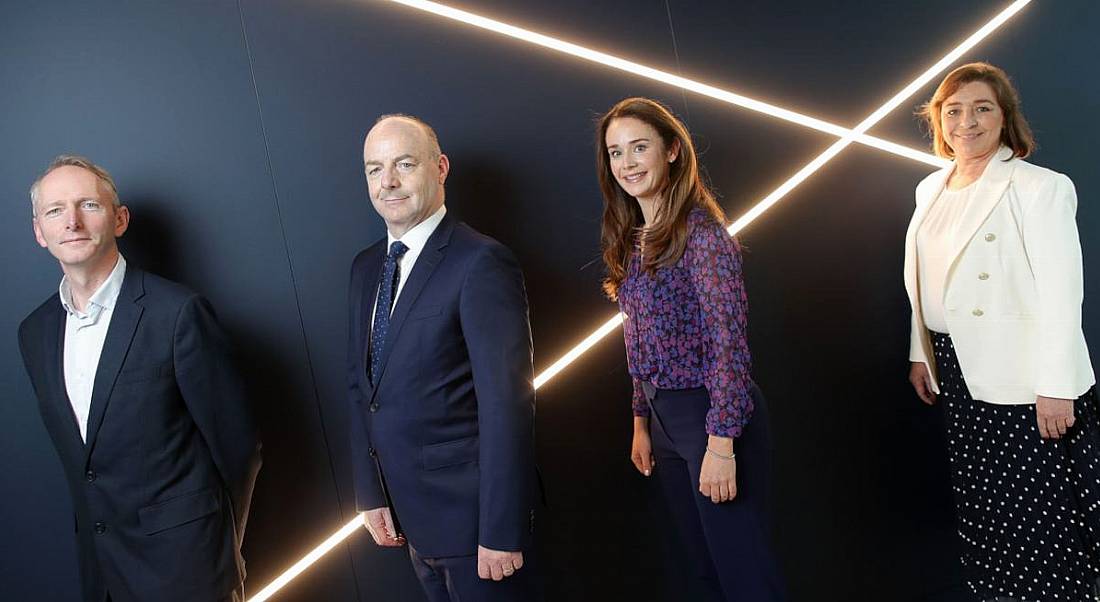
x=234 y=132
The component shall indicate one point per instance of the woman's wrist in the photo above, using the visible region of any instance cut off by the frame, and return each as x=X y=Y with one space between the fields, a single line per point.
x=720 y=445
x=641 y=423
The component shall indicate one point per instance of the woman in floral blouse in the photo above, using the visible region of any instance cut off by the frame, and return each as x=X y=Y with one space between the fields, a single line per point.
x=700 y=423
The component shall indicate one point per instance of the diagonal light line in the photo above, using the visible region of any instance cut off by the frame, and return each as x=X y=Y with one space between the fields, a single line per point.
x=855 y=135
x=878 y=114
x=314 y=555
x=622 y=64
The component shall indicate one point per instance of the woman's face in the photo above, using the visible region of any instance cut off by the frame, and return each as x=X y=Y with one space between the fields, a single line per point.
x=638 y=157
x=971 y=121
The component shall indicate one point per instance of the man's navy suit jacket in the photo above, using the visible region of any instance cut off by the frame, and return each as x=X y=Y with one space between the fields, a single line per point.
x=446 y=439
x=162 y=487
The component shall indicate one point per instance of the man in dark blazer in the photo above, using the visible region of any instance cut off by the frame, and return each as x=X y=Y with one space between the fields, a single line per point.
x=442 y=400
x=135 y=386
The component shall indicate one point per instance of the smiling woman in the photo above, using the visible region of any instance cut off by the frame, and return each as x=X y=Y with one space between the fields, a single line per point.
x=994 y=274
x=677 y=275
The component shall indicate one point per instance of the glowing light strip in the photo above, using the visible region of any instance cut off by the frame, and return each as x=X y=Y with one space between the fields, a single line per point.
x=879 y=113
x=579 y=350
x=846 y=139
x=307 y=560
x=621 y=64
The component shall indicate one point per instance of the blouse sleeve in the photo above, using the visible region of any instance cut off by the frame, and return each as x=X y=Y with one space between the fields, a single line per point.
x=715 y=268
x=638 y=403
x=630 y=335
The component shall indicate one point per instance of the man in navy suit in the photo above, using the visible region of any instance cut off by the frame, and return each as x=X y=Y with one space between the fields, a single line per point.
x=440 y=382
x=135 y=387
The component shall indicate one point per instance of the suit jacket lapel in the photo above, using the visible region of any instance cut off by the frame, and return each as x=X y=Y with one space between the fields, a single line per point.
x=422 y=271
x=368 y=295
x=54 y=395
x=120 y=333
x=987 y=195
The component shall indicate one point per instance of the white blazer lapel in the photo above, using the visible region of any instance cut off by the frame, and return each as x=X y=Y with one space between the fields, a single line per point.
x=989 y=190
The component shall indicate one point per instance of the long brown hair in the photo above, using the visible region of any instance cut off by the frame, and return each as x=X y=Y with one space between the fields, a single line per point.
x=1015 y=134
x=666 y=237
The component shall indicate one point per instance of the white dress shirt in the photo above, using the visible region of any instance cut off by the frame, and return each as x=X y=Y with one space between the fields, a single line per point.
x=414 y=239
x=84 y=335
x=935 y=239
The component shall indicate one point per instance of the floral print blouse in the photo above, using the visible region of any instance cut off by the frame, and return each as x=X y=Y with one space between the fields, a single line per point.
x=685 y=325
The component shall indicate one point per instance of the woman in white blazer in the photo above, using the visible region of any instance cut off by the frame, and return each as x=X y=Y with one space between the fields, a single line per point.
x=994 y=277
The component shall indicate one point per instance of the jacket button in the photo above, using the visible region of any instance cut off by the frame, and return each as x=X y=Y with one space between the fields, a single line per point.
x=100 y=528
x=371 y=452
x=983 y=276
x=990 y=237
x=89 y=476
x=978 y=312
x=374 y=406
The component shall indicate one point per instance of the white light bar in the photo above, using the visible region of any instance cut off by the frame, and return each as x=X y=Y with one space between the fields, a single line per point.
x=847 y=137
x=621 y=64
x=919 y=82
x=307 y=560
x=577 y=351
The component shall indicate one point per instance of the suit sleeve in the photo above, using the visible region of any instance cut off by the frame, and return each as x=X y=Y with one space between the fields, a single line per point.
x=1054 y=252
x=368 y=487
x=493 y=313
x=215 y=396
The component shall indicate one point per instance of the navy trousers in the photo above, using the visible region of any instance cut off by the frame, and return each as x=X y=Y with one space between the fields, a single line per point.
x=454 y=579
x=729 y=544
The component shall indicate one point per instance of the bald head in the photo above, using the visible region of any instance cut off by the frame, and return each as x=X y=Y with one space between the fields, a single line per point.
x=405 y=171
x=433 y=140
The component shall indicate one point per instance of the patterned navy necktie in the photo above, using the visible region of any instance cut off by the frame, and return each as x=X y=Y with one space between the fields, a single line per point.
x=387 y=288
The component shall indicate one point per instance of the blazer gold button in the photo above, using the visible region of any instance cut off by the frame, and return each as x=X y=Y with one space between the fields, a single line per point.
x=978 y=312
x=990 y=237
x=983 y=276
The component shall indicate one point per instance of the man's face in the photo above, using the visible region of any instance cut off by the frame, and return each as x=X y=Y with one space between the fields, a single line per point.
x=75 y=218
x=405 y=174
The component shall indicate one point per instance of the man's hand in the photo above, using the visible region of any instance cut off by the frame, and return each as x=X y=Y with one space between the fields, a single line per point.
x=641 y=449
x=496 y=564
x=922 y=382
x=379 y=523
x=718 y=475
x=1055 y=416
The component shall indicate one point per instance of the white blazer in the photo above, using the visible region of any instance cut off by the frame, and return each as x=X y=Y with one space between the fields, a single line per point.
x=1013 y=294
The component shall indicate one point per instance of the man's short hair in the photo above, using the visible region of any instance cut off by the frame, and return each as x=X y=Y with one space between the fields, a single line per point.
x=436 y=150
x=75 y=161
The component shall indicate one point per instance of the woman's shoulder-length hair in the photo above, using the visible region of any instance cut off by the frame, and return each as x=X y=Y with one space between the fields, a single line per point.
x=1016 y=133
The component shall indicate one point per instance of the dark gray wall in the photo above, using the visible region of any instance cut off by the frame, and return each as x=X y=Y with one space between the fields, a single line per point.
x=234 y=131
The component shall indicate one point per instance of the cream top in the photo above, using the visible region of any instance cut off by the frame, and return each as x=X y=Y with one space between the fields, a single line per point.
x=934 y=238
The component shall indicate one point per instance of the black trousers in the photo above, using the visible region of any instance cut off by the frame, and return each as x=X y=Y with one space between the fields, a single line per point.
x=729 y=544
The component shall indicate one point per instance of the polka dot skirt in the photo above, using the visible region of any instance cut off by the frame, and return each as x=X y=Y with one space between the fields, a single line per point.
x=1028 y=510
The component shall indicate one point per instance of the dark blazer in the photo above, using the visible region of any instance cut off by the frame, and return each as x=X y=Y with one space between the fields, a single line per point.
x=446 y=439
x=161 y=488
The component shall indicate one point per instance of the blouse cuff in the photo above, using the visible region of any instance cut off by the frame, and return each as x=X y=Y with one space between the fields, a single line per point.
x=729 y=419
x=638 y=402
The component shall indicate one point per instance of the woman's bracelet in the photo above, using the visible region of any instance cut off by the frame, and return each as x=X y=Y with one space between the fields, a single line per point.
x=723 y=456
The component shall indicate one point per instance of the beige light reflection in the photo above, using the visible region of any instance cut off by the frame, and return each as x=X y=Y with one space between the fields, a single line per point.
x=847 y=137
x=622 y=64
